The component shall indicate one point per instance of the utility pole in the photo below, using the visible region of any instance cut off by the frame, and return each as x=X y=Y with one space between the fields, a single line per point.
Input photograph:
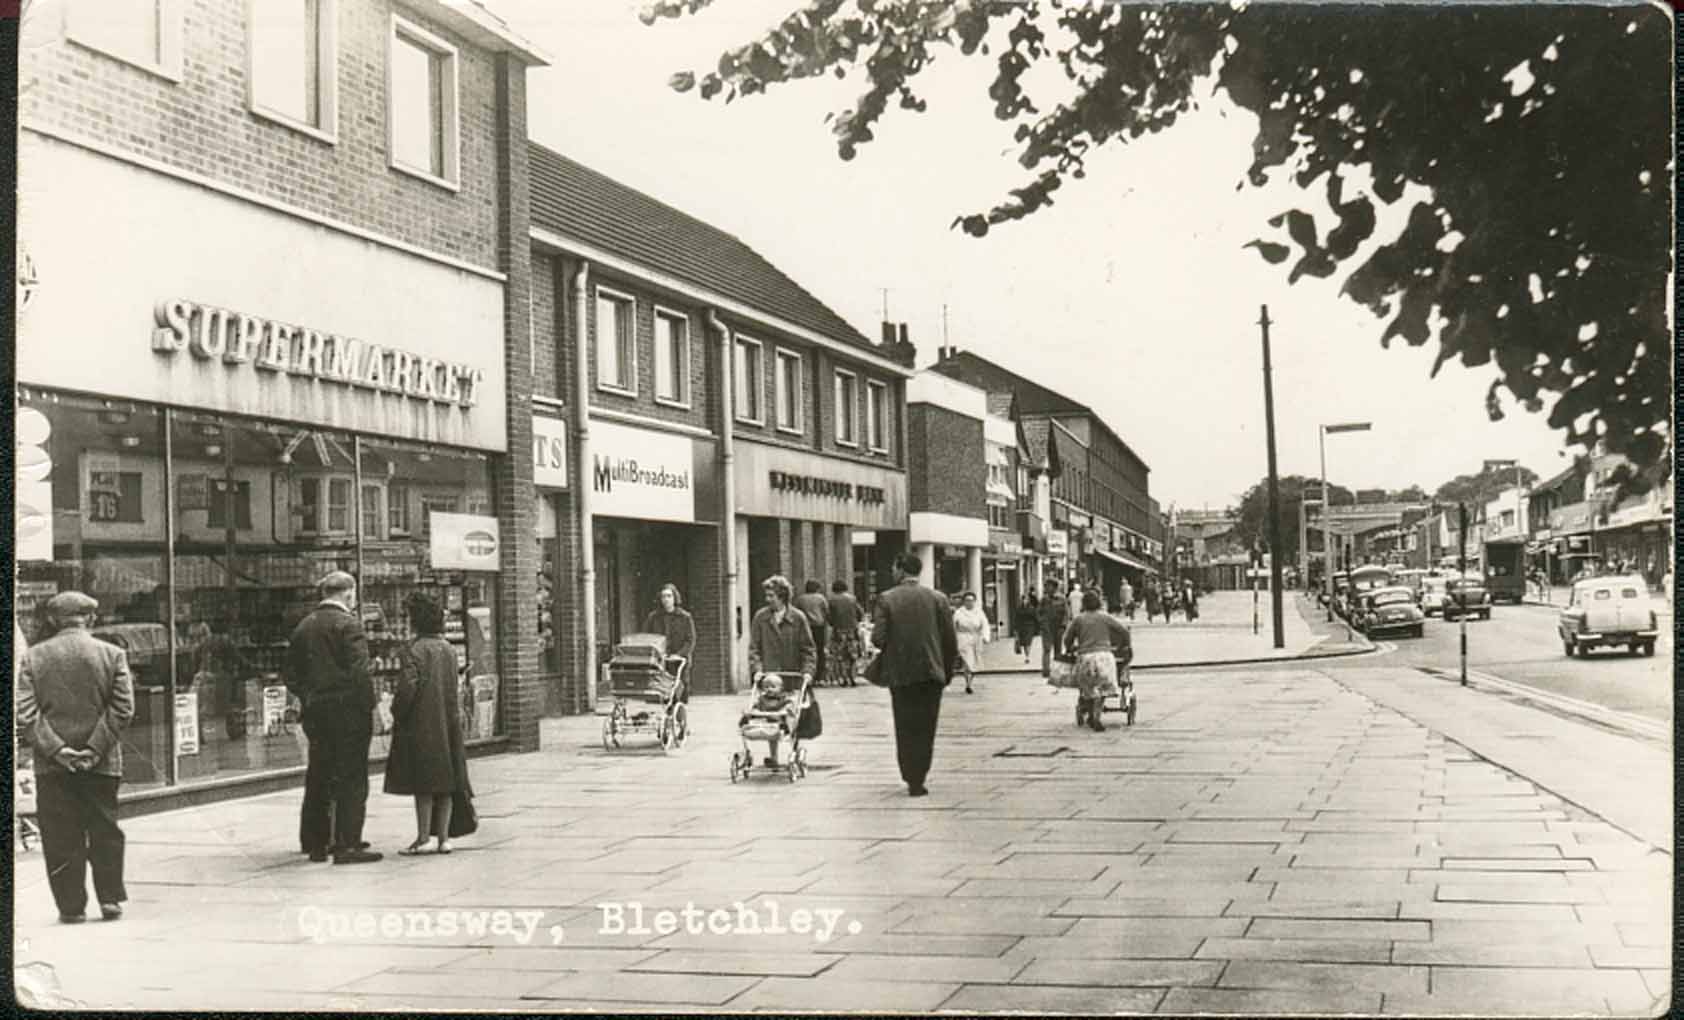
x=1462 y=566
x=1274 y=490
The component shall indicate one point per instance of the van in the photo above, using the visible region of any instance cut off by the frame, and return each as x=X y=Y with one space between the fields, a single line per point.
x=1609 y=611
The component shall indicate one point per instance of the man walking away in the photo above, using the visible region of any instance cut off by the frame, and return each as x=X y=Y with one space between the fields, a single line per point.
x=816 y=608
x=327 y=668
x=1055 y=615
x=913 y=625
x=75 y=696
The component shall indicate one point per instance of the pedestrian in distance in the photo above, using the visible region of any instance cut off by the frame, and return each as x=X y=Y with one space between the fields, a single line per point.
x=1153 y=598
x=845 y=644
x=970 y=626
x=1074 y=600
x=672 y=620
x=75 y=696
x=327 y=670
x=428 y=760
x=1098 y=640
x=780 y=640
x=816 y=608
x=1190 y=602
x=1125 y=595
x=1055 y=614
x=1026 y=623
x=913 y=626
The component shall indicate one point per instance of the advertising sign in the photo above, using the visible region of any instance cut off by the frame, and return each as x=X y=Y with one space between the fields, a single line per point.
x=1058 y=543
x=549 y=452
x=641 y=474
x=187 y=723
x=274 y=710
x=463 y=542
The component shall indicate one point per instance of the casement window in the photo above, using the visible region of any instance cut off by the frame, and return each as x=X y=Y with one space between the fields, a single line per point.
x=847 y=408
x=223 y=496
x=749 y=383
x=997 y=516
x=877 y=416
x=788 y=382
x=144 y=33
x=292 y=76
x=616 y=353
x=373 y=513
x=672 y=358
x=325 y=505
x=397 y=508
x=422 y=105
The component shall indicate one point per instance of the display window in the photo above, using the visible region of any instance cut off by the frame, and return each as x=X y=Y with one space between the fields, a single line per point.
x=203 y=536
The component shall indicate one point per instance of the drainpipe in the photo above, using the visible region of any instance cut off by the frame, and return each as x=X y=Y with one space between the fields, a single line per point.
x=582 y=415
x=727 y=457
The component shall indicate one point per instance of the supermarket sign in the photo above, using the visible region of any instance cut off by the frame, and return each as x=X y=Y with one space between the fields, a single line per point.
x=464 y=542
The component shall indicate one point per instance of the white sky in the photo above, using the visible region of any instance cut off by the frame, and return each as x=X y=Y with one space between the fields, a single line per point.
x=1132 y=294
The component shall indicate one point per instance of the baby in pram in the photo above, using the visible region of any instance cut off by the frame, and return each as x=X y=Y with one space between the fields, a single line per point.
x=771 y=717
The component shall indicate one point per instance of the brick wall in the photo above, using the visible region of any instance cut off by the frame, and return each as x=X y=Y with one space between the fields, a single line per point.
x=643 y=402
x=947 y=465
x=203 y=124
x=547 y=304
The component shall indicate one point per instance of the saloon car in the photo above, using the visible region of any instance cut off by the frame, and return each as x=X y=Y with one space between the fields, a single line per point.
x=1466 y=596
x=1389 y=610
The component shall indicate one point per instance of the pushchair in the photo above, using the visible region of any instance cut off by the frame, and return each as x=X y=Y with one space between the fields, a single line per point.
x=649 y=690
x=756 y=727
x=1124 y=701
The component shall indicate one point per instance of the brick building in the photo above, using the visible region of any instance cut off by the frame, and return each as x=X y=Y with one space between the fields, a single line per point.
x=1111 y=526
x=260 y=415
x=715 y=424
x=947 y=480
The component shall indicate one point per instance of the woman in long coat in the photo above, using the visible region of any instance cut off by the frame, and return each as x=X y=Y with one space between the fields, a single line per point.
x=971 y=627
x=428 y=760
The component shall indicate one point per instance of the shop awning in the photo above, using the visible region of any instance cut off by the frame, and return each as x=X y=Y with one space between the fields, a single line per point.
x=1124 y=559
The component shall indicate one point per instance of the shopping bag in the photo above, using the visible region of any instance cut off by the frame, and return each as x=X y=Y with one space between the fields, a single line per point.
x=1062 y=673
x=464 y=820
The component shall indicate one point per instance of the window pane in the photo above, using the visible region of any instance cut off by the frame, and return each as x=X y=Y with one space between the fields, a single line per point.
x=285 y=57
x=129 y=28
x=607 y=342
x=397 y=508
x=670 y=350
x=339 y=504
x=415 y=107
x=748 y=381
x=789 y=392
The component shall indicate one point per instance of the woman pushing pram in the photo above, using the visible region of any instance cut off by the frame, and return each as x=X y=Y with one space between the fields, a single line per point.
x=781 y=648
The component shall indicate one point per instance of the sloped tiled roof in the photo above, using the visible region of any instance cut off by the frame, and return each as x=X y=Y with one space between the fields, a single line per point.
x=1000 y=405
x=1036 y=431
x=580 y=203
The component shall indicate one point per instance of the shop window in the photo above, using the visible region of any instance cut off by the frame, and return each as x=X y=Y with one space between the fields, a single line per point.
x=616 y=356
x=749 y=376
x=397 y=509
x=290 y=44
x=431 y=503
x=373 y=517
x=788 y=392
x=117 y=557
x=672 y=358
x=877 y=416
x=144 y=33
x=422 y=104
x=847 y=407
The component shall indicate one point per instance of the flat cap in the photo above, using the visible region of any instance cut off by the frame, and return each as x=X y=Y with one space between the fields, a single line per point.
x=337 y=581
x=71 y=603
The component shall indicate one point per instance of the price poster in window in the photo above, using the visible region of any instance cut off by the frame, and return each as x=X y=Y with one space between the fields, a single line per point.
x=187 y=723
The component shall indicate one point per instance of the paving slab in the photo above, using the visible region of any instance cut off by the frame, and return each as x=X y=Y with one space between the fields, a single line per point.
x=1300 y=950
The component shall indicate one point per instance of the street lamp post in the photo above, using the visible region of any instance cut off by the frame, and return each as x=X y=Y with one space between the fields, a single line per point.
x=1327 y=504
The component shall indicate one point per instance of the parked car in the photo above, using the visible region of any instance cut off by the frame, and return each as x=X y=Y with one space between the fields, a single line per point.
x=1409 y=577
x=1466 y=596
x=1435 y=592
x=1609 y=611
x=1391 y=609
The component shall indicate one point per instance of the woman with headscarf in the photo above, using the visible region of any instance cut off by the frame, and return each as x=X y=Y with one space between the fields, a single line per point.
x=1098 y=640
x=428 y=760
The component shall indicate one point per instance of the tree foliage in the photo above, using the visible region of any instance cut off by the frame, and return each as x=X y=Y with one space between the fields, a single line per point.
x=1540 y=132
x=1253 y=524
x=1480 y=487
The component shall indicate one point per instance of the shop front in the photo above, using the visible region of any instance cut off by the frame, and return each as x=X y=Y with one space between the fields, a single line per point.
x=812 y=517
x=207 y=425
x=656 y=508
x=549 y=483
x=1003 y=578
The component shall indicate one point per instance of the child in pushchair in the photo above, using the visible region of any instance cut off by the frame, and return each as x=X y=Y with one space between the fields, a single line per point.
x=775 y=715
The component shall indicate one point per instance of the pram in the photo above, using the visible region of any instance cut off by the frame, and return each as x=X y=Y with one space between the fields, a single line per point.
x=23 y=799
x=1125 y=701
x=649 y=689
x=759 y=729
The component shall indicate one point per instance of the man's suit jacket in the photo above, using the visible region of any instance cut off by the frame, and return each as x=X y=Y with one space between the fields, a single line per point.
x=913 y=625
x=75 y=691
x=327 y=658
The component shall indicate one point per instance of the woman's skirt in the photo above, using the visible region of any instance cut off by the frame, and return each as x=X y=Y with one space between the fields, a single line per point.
x=1095 y=675
x=970 y=651
x=843 y=661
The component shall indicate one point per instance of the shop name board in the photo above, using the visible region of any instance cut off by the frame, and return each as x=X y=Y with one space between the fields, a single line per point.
x=549 y=452
x=625 y=469
x=235 y=338
x=1058 y=543
x=807 y=485
x=642 y=475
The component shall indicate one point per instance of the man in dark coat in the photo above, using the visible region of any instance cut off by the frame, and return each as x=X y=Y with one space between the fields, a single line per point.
x=816 y=608
x=327 y=669
x=1055 y=615
x=74 y=697
x=913 y=625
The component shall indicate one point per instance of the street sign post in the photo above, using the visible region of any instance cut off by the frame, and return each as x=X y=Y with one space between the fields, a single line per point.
x=1462 y=566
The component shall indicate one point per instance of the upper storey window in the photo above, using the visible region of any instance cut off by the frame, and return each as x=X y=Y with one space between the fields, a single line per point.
x=292 y=63
x=144 y=33
x=423 y=105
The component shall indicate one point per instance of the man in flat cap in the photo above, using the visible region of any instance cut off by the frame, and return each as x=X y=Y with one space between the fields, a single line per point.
x=327 y=669
x=75 y=695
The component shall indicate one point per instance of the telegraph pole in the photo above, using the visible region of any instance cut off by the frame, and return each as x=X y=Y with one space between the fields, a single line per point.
x=1274 y=490
x=1462 y=565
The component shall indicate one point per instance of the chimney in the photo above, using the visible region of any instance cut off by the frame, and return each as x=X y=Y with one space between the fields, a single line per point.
x=903 y=333
x=889 y=333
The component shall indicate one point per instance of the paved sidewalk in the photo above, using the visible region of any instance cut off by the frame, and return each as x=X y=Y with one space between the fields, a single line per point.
x=1263 y=842
x=1222 y=633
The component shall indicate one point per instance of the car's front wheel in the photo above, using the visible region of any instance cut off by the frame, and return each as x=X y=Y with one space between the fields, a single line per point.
x=1567 y=647
x=1583 y=650
x=1648 y=648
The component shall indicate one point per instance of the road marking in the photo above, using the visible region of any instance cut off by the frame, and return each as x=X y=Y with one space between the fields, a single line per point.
x=1630 y=721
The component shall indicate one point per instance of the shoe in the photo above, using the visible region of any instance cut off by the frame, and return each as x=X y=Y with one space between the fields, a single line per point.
x=917 y=791
x=1097 y=723
x=444 y=846
x=111 y=911
x=968 y=690
x=72 y=918
x=356 y=857
x=416 y=848
x=318 y=856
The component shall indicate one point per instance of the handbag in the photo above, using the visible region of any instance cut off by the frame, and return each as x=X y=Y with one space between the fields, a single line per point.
x=464 y=820
x=811 y=723
x=874 y=671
